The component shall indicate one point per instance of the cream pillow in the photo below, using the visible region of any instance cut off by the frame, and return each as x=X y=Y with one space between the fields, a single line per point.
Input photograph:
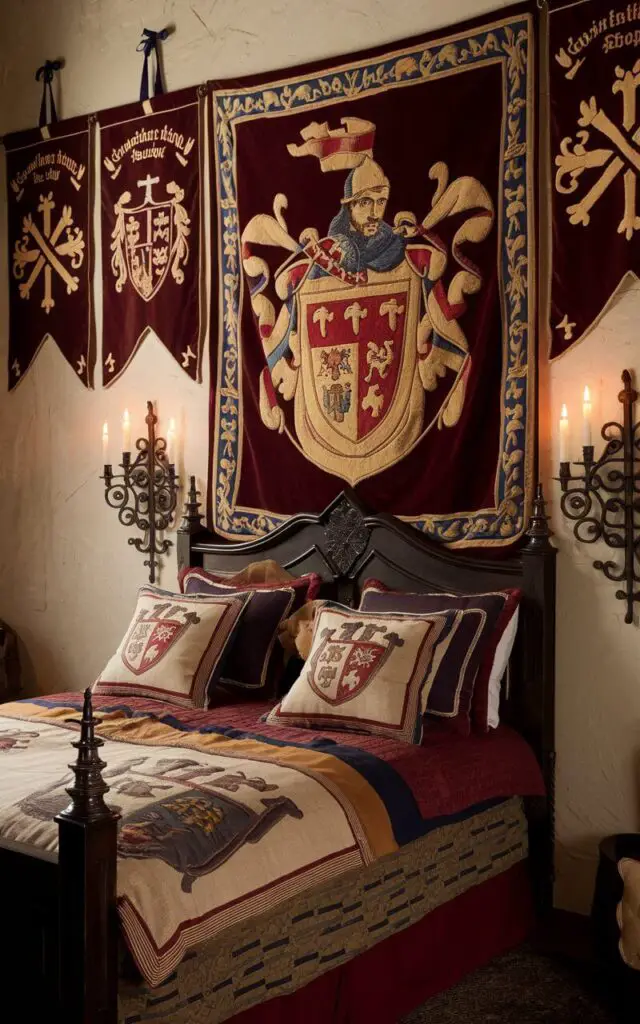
x=366 y=671
x=173 y=647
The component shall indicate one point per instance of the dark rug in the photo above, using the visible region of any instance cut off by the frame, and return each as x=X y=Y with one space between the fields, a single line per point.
x=523 y=987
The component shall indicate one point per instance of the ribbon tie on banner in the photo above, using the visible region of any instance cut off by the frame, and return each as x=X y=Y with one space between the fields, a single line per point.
x=46 y=73
x=147 y=45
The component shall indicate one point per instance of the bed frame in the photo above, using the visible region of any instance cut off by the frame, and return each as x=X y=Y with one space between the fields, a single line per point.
x=67 y=948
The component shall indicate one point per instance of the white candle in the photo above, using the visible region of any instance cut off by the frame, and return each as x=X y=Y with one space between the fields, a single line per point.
x=105 y=443
x=564 y=434
x=586 y=417
x=171 y=442
x=126 y=431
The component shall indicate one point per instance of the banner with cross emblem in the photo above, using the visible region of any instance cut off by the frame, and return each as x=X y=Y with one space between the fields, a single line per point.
x=50 y=212
x=594 y=71
x=152 y=239
x=374 y=273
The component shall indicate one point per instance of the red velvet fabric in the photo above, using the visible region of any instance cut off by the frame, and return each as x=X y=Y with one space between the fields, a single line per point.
x=398 y=975
x=446 y=774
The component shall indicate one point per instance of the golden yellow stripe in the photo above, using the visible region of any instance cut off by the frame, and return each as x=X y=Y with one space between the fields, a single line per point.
x=341 y=777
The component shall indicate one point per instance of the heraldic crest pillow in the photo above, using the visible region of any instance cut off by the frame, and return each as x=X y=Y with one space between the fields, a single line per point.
x=173 y=647
x=366 y=671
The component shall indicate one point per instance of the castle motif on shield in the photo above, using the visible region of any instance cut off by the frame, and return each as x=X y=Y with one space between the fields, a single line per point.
x=366 y=324
x=349 y=658
x=150 y=240
x=153 y=634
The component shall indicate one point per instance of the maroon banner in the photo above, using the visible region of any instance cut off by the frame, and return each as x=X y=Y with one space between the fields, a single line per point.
x=152 y=237
x=50 y=216
x=373 y=312
x=595 y=160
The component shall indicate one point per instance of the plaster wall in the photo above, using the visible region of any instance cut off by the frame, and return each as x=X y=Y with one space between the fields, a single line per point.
x=68 y=577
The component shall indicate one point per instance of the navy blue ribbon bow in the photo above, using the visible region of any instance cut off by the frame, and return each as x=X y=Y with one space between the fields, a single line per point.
x=46 y=73
x=147 y=45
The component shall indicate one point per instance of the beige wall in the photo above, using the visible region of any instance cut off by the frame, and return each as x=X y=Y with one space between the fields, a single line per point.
x=67 y=576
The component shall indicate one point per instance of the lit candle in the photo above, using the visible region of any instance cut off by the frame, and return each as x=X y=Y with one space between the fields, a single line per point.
x=126 y=431
x=586 y=417
x=171 y=442
x=564 y=434
x=105 y=443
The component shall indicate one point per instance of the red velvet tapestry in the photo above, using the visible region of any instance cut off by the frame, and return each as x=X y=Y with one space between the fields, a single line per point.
x=373 y=286
x=152 y=237
x=595 y=160
x=50 y=210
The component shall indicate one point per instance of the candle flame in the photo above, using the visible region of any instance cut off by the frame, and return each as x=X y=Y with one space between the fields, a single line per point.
x=564 y=414
x=126 y=419
x=587 y=395
x=105 y=431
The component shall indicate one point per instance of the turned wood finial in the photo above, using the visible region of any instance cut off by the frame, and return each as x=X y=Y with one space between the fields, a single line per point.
x=538 y=533
x=87 y=793
x=191 y=518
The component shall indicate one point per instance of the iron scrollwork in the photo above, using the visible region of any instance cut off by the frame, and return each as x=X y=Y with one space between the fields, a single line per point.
x=145 y=494
x=603 y=502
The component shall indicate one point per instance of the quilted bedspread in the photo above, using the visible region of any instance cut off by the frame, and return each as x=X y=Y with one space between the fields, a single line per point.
x=219 y=823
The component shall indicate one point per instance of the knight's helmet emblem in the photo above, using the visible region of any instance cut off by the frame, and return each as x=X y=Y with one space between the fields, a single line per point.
x=367 y=325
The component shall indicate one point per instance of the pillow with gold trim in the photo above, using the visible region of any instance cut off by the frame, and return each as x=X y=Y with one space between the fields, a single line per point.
x=368 y=672
x=173 y=648
x=255 y=662
x=480 y=701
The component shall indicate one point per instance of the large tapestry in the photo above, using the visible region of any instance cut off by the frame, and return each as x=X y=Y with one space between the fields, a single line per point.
x=595 y=153
x=152 y=237
x=373 y=298
x=49 y=200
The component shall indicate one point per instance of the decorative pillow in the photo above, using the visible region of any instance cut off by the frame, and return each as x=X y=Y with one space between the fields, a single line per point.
x=499 y=607
x=173 y=648
x=500 y=666
x=368 y=672
x=255 y=661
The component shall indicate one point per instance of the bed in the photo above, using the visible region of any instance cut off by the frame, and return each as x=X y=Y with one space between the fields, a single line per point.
x=471 y=857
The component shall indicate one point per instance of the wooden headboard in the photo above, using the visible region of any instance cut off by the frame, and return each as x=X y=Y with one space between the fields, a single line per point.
x=347 y=543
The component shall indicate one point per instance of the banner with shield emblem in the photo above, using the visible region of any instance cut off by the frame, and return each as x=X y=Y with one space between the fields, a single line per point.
x=373 y=286
x=594 y=73
x=152 y=239
x=50 y=211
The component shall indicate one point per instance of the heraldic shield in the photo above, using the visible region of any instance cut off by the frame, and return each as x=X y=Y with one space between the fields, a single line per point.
x=150 y=637
x=341 y=670
x=361 y=395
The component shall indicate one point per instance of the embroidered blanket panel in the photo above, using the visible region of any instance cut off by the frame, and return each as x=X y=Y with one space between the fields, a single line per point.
x=227 y=827
x=595 y=160
x=372 y=313
x=50 y=232
x=152 y=234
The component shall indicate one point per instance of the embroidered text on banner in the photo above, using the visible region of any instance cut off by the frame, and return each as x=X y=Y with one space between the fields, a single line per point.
x=595 y=160
x=50 y=210
x=373 y=301
x=151 y=173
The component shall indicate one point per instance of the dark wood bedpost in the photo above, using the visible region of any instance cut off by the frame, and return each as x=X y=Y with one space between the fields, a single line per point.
x=88 y=935
x=191 y=525
x=539 y=585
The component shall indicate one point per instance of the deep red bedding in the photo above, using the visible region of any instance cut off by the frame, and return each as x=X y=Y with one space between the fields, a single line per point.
x=447 y=774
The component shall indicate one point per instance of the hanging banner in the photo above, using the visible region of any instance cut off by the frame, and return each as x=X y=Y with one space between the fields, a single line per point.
x=50 y=226
x=595 y=160
x=152 y=261
x=373 y=286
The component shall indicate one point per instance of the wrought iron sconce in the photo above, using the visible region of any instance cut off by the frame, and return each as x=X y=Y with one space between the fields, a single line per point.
x=145 y=493
x=604 y=501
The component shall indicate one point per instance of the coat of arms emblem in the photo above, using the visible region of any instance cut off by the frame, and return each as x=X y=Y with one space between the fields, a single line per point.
x=348 y=659
x=150 y=240
x=152 y=635
x=366 y=324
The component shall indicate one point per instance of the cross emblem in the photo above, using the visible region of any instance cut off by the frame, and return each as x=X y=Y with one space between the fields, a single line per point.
x=355 y=313
x=322 y=316
x=48 y=252
x=620 y=154
x=393 y=311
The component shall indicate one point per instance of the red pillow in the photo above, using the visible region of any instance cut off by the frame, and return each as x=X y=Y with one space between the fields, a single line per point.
x=500 y=607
